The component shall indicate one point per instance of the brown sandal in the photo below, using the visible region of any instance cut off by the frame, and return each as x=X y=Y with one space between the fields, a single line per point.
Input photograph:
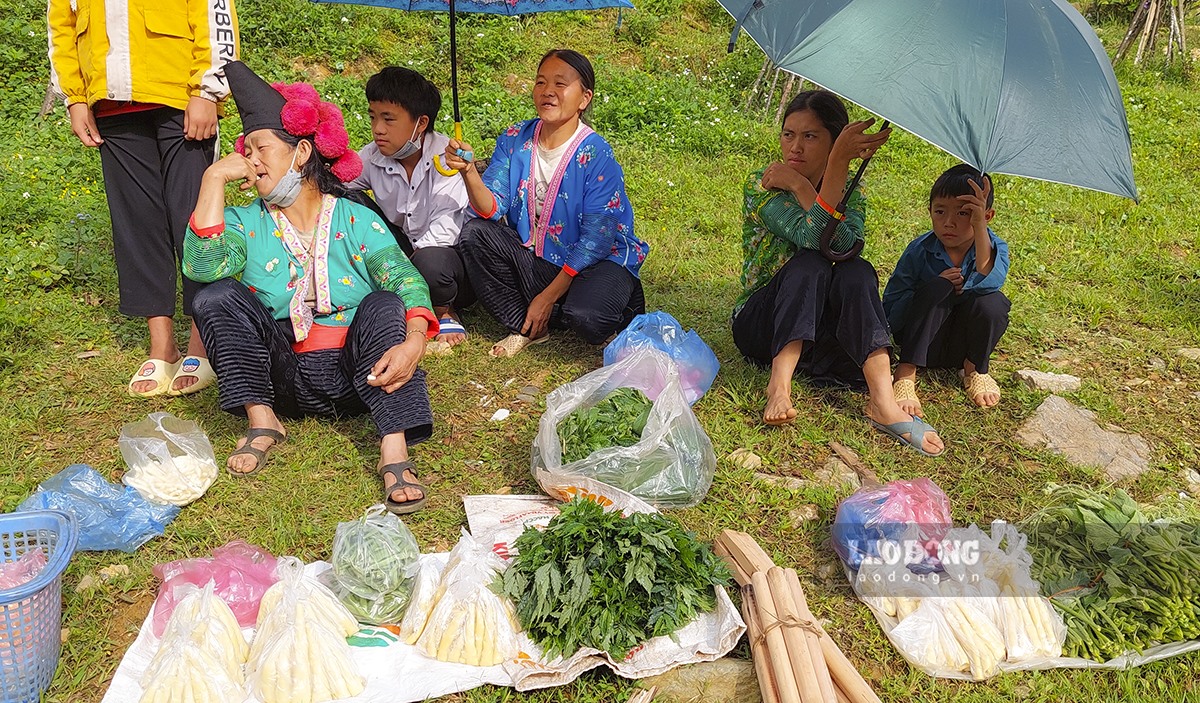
x=260 y=455
x=407 y=506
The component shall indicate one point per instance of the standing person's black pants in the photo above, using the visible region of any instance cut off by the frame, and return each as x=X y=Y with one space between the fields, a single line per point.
x=507 y=276
x=152 y=176
x=255 y=363
x=834 y=309
x=942 y=329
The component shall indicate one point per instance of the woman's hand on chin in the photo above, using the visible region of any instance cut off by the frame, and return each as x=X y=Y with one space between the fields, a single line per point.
x=855 y=143
x=780 y=176
x=233 y=168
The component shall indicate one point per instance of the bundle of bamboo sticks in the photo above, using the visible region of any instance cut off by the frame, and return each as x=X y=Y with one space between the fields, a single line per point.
x=794 y=658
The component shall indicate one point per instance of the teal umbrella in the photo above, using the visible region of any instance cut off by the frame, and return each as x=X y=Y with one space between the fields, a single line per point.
x=1021 y=87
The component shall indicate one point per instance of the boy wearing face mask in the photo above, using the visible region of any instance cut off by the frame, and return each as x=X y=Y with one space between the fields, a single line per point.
x=427 y=206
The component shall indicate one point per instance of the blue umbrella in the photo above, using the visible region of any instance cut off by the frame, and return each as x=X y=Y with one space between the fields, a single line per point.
x=490 y=7
x=1021 y=87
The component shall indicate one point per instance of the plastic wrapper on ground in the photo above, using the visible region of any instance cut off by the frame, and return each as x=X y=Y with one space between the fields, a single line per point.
x=240 y=572
x=110 y=516
x=169 y=460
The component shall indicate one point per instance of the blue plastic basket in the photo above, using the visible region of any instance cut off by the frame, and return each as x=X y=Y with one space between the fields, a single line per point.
x=31 y=614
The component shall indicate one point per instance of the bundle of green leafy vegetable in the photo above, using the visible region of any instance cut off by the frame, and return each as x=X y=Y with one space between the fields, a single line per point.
x=598 y=579
x=616 y=421
x=1122 y=581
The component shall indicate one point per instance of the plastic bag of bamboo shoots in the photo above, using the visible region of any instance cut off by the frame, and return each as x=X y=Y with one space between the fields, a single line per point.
x=200 y=655
x=299 y=653
x=1033 y=630
x=469 y=623
x=427 y=577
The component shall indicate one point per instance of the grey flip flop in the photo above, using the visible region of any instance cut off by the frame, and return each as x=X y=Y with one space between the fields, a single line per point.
x=408 y=506
x=260 y=455
x=915 y=428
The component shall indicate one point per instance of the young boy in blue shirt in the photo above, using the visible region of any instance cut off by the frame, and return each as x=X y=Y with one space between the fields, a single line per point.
x=943 y=301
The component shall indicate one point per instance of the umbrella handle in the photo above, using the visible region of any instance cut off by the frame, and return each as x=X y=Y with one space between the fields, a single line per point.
x=831 y=227
x=441 y=167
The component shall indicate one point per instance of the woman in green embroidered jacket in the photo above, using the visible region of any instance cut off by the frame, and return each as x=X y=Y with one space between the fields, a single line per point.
x=315 y=309
x=798 y=310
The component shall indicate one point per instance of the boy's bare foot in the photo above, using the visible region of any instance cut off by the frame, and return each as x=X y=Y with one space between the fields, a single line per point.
x=905 y=391
x=982 y=389
x=779 y=410
x=892 y=414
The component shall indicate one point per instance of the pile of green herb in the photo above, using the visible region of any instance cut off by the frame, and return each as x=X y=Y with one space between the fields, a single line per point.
x=597 y=579
x=616 y=421
x=1122 y=581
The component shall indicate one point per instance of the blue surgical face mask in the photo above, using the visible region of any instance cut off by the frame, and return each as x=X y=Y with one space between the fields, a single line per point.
x=412 y=146
x=287 y=189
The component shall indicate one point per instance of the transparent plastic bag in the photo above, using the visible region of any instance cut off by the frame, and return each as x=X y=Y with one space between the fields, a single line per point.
x=299 y=652
x=204 y=621
x=673 y=464
x=427 y=575
x=181 y=672
x=241 y=574
x=168 y=460
x=469 y=623
x=373 y=560
x=697 y=363
x=110 y=516
x=879 y=515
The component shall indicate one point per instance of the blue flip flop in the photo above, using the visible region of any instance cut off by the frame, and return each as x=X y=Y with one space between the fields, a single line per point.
x=448 y=325
x=914 y=428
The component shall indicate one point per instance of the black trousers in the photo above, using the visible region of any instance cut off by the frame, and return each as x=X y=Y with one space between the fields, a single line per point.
x=834 y=309
x=151 y=178
x=942 y=329
x=443 y=269
x=253 y=357
x=507 y=276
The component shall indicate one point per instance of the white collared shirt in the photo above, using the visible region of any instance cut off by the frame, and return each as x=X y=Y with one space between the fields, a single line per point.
x=430 y=207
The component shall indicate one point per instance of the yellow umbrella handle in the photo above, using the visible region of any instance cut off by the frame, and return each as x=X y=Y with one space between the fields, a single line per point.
x=441 y=167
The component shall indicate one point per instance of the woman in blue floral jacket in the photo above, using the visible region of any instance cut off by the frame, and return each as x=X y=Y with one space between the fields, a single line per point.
x=552 y=244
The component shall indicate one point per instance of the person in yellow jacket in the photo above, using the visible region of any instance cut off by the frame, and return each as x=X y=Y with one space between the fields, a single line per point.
x=142 y=82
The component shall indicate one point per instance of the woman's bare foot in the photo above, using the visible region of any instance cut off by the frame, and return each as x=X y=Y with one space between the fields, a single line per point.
x=249 y=463
x=890 y=413
x=779 y=410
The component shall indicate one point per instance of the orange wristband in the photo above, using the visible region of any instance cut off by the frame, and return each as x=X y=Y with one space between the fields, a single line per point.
x=830 y=209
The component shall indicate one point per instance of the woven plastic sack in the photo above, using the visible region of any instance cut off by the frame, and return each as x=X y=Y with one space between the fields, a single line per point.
x=697 y=363
x=169 y=460
x=373 y=564
x=673 y=464
x=110 y=516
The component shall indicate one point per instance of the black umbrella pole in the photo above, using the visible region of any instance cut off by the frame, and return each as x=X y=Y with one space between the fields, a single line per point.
x=831 y=227
x=454 y=68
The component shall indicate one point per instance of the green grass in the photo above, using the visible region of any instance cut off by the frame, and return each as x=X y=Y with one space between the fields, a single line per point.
x=1112 y=283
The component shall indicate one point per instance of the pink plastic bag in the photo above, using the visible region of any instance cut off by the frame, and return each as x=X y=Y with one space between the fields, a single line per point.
x=20 y=572
x=897 y=511
x=241 y=573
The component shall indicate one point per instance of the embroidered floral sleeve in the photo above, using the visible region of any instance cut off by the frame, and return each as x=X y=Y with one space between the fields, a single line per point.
x=208 y=259
x=496 y=178
x=604 y=200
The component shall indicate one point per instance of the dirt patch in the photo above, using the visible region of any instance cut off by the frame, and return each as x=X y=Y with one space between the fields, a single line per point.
x=314 y=72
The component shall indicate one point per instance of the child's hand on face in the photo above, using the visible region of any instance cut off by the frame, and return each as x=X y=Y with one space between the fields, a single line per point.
x=976 y=203
x=954 y=275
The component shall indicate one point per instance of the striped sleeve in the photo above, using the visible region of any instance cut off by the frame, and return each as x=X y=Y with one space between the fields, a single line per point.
x=66 y=77
x=391 y=270
x=215 y=43
x=208 y=259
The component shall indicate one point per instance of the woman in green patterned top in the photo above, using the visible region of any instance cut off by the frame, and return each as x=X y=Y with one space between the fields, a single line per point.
x=798 y=310
x=311 y=308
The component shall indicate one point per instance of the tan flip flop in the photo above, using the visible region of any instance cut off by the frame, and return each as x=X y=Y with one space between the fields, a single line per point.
x=905 y=389
x=196 y=367
x=978 y=384
x=157 y=370
x=514 y=343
